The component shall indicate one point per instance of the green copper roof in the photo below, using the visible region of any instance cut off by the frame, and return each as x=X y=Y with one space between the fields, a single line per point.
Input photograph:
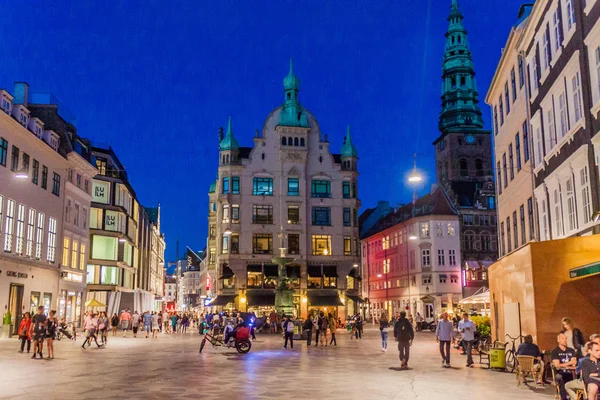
x=348 y=149
x=292 y=113
x=229 y=142
x=213 y=187
x=460 y=103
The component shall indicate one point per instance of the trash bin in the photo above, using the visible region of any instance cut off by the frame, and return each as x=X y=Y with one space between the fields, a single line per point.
x=497 y=355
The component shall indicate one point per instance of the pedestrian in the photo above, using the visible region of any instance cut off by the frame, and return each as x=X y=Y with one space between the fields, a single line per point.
x=273 y=321
x=404 y=334
x=323 y=326
x=174 y=323
x=384 y=327
x=25 y=332
x=90 y=327
x=420 y=320
x=253 y=322
x=332 y=329
x=147 y=323
x=38 y=332
x=575 y=338
x=135 y=323
x=317 y=328
x=155 y=325
x=185 y=322
x=444 y=335
x=166 y=321
x=359 y=326
x=51 y=324
x=103 y=327
x=125 y=319
x=114 y=322
x=308 y=327
x=288 y=332
x=467 y=329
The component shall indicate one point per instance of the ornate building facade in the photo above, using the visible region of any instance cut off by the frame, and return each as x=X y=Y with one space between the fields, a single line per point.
x=464 y=157
x=287 y=191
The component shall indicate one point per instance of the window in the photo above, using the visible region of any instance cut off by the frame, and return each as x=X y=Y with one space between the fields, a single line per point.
x=225 y=185
x=347 y=217
x=486 y=241
x=234 y=245
x=76 y=215
x=508 y=236
x=468 y=219
x=293 y=187
x=484 y=220
x=558 y=213
x=562 y=115
x=35 y=172
x=235 y=213
x=597 y=54
x=8 y=227
x=522 y=218
x=321 y=188
x=82 y=260
x=464 y=169
x=501 y=105
x=235 y=185
x=530 y=218
x=262 y=243
x=39 y=236
x=425 y=258
x=538 y=148
x=225 y=209
x=56 y=184
x=3 y=151
x=14 y=161
x=321 y=216
x=424 y=230
x=30 y=230
x=74 y=253
x=504 y=170
x=547 y=50
x=225 y=244
x=570 y=14
x=518 y=151
x=491 y=203
x=110 y=275
x=577 y=107
x=450 y=229
x=439 y=229
x=521 y=73
x=443 y=278
x=469 y=241
x=502 y=243
x=525 y=141
x=101 y=164
x=51 y=255
x=262 y=214
x=513 y=82
x=25 y=167
x=441 y=258
x=20 y=232
x=104 y=248
x=452 y=257
x=571 y=205
x=544 y=227
x=262 y=186
x=348 y=246
x=479 y=167
x=511 y=162
x=427 y=280
x=346 y=190
x=496 y=120
x=293 y=244
x=212 y=255
x=585 y=195
x=507 y=98
x=293 y=214
x=453 y=279
x=499 y=179
x=321 y=245
x=557 y=28
x=515 y=229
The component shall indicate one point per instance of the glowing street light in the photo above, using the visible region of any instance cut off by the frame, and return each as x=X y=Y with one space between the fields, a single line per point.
x=21 y=175
x=412 y=237
x=227 y=232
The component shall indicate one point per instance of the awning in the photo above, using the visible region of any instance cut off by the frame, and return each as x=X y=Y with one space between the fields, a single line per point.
x=486 y=264
x=271 y=270
x=313 y=270
x=354 y=274
x=324 y=300
x=254 y=268
x=443 y=276
x=472 y=264
x=222 y=300
x=355 y=298
x=428 y=299
x=261 y=299
x=480 y=297
x=330 y=271
x=227 y=273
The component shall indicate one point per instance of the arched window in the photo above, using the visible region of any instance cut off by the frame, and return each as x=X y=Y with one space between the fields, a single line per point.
x=283 y=141
x=479 y=167
x=464 y=170
x=296 y=141
x=302 y=142
x=227 y=159
x=290 y=141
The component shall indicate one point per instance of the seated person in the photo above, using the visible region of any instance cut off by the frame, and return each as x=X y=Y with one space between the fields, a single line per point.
x=564 y=361
x=528 y=348
x=228 y=333
x=590 y=369
x=577 y=384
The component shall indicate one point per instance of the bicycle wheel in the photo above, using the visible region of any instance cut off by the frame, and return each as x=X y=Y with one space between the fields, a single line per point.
x=243 y=346
x=510 y=361
x=202 y=343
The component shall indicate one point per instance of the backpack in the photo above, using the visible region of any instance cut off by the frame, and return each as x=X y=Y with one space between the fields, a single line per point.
x=404 y=335
x=289 y=327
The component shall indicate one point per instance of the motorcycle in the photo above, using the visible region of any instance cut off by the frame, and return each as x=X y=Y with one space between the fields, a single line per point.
x=421 y=326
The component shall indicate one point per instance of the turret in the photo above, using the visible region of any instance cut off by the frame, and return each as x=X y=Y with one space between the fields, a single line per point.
x=349 y=154
x=292 y=113
x=229 y=147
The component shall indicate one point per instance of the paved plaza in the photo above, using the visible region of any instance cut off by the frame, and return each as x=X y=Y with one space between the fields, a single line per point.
x=171 y=368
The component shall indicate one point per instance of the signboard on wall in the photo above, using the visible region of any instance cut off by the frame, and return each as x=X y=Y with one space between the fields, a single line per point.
x=110 y=220
x=101 y=192
x=586 y=270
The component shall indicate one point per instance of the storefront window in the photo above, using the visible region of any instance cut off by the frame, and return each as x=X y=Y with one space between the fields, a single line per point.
x=104 y=248
x=109 y=275
x=255 y=277
x=47 y=302
x=314 y=277
x=34 y=302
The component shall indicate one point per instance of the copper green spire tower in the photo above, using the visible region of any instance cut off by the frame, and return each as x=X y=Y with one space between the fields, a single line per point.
x=460 y=108
x=292 y=113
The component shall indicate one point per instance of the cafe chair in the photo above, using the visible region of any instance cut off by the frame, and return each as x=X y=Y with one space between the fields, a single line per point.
x=555 y=384
x=526 y=367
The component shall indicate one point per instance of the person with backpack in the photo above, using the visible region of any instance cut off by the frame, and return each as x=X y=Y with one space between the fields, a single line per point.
x=288 y=332
x=308 y=327
x=404 y=334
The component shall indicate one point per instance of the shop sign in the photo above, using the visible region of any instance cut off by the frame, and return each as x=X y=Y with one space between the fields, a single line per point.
x=206 y=301
x=100 y=192
x=15 y=274
x=586 y=270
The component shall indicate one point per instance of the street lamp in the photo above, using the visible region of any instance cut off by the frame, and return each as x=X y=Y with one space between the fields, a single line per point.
x=227 y=232
x=414 y=178
x=21 y=175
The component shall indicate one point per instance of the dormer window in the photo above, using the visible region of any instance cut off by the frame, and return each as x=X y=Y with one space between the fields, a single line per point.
x=6 y=105
x=23 y=119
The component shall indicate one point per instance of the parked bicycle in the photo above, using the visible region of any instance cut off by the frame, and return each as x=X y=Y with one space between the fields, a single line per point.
x=511 y=354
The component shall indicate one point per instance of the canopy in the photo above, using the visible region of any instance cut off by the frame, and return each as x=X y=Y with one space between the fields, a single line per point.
x=261 y=299
x=480 y=297
x=355 y=298
x=354 y=274
x=94 y=303
x=324 y=300
x=222 y=300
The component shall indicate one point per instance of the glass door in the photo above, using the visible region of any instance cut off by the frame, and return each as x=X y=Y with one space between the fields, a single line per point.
x=47 y=303
x=15 y=305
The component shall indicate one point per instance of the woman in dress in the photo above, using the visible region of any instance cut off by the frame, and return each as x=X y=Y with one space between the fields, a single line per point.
x=24 y=332
x=52 y=323
x=155 y=325
x=114 y=322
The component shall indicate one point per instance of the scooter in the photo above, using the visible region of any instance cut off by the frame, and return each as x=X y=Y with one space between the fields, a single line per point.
x=422 y=326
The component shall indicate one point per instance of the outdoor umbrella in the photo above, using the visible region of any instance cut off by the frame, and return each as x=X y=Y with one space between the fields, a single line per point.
x=94 y=303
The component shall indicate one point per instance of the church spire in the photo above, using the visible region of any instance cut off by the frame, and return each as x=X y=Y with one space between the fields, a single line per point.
x=229 y=142
x=348 y=149
x=460 y=103
x=292 y=113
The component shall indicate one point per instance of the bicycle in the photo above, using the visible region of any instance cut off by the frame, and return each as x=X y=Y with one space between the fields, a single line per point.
x=511 y=354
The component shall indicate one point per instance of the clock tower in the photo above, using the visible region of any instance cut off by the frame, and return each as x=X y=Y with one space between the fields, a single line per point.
x=464 y=161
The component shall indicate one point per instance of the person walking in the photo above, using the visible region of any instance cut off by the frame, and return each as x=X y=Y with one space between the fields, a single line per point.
x=25 y=332
x=288 y=332
x=51 y=324
x=103 y=327
x=174 y=323
x=147 y=317
x=166 y=321
x=38 y=332
x=384 y=327
x=359 y=326
x=467 y=329
x=90 y=327
x=114 y=322
x=404 y=334
x=135 y=323
x=317 y=329
x=308 y=327
x=155 y=325
x=323 y=324
x=444 y=335
x=125 y=319
x=332 y=329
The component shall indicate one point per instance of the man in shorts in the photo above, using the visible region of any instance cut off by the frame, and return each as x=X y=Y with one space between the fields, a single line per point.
x=38 y=332
x=125 y=320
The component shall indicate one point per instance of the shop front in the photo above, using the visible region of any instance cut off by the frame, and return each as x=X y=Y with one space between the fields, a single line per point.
x=71 y=295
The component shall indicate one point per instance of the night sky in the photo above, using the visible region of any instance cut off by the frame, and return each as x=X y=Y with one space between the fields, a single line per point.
x=156 y=79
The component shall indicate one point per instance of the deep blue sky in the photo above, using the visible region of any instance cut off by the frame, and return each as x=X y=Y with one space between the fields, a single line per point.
x=156 y=79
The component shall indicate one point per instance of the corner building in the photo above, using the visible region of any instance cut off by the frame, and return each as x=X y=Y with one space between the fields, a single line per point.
x=287 y=191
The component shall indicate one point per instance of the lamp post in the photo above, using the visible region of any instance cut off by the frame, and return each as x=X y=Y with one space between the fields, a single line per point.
x=414 y=178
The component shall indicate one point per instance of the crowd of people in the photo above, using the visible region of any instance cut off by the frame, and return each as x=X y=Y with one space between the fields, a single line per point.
x=39 y=329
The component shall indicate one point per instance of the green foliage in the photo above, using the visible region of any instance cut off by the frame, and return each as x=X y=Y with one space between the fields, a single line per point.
x=484 y=326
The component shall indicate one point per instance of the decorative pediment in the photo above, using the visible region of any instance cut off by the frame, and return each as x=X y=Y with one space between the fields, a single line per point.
x=293 y=172
x=320 y=175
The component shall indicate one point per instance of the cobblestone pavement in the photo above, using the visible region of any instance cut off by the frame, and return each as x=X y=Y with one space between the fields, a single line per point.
x=171 y=368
